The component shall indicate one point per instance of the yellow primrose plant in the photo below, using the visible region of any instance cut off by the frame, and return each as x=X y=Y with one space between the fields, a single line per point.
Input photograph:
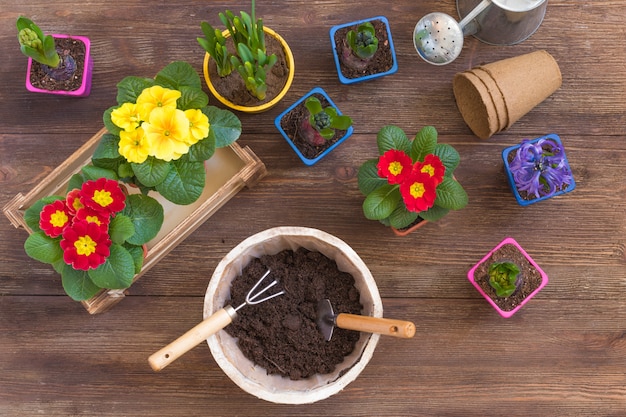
x=161 y=132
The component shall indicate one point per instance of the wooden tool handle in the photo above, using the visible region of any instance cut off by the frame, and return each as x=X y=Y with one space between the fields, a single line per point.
x=388 y=327
x=217 y=321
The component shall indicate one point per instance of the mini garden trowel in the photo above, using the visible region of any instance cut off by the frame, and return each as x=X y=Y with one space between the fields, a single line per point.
x=327 y=320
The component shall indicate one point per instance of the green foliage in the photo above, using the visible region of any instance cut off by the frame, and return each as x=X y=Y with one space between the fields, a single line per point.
x=36 y=45
x=325 y=120
x=363 y=41
x=180 y=181
x=384 y=201
x=503 y=278
x=250 y=60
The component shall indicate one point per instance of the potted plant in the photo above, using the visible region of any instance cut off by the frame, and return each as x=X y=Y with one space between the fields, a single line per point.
x=57 y=64
x=253 y=72
x=412 y=181
x=162 y=131
x=363 y=50
x=507 y=277
x=538 y=169
x=313 y=126
x=93 y=236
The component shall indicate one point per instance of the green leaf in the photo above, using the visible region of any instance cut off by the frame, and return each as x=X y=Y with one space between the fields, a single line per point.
x=108 y=123
x=202 y=150
x=424 y=143
x=121 y=228
x=77 y=284
x=91 y=172
x=147 y=216
x=401 y=217
x=108 y=147
x=449 y=157
x=178 y=74
x=184 y=183
x=43 y=248
x=225 y=126
x=368 y=178
x=138 y=255
x=380 y=203
x=392 y=137
x=434 y=213
x=451 y=195
x=32 y=214
x=192 y=98
x=131 y=87
x=76 y=181
x=151 y=172
x=116 y=272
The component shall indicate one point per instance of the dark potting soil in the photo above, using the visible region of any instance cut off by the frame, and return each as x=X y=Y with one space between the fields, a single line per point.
x=281 y=334
x=233 y=88
x=531 y=278
x=291 y=122
x=40 y=78
x=382 y=60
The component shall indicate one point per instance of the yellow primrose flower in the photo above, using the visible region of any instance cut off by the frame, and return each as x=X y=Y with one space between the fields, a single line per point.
x=126 y=117
x=133 y=146
x=154 y=97
x=198 y=125
x=167 y=131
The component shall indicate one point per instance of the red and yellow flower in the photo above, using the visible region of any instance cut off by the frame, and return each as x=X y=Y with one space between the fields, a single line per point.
x=54 y=218
x=103 y=195
x=85 y=245
x=72 y=200
x=395 y=166
x=432 y=166
x=90 y=215
x=418 y=191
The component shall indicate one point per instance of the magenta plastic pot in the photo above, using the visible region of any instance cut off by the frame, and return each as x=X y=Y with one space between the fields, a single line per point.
x=85 y=87
x=507 y=314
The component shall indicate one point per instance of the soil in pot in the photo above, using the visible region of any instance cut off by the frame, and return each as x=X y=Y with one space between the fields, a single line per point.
x=233 y=88
x=42 y=76
x=531 y=277
x=382 y=61
x=291 y=122
x=281 y=334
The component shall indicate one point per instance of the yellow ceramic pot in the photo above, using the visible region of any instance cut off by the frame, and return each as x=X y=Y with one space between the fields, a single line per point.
x=261 y=107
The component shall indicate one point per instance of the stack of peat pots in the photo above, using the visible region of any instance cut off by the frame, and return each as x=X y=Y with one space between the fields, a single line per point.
x=493 y=96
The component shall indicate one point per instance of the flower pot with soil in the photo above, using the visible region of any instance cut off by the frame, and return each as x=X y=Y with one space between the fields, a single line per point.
x=412 y=180
x=285 y=250
x=538 y=169
x=363 y=50
x=243 y=68
x=313 y=126
x=57 y=64
x=507 y=277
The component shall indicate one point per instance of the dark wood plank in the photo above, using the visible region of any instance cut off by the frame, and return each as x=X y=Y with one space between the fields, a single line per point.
x=562 y=355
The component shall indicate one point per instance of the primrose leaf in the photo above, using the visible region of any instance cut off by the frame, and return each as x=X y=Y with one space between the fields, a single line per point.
x=138 y=255
x=202 y=150
x=424 y=143
x=192 y=98
x=434 y=213
x=121 y=228
x=131 y=87
x=392 y=137
x=77 y=284
x=449 y=157
x=380 y=203
x=116 y=272
x=401 y=217
x=152 y=171
x=184 y=183
x=108 y=123
x=178 y=74
x=91 y=172
x=225 y=126
x=43 y=248
x=451 y=195
x=147 y=217
x=368 y=178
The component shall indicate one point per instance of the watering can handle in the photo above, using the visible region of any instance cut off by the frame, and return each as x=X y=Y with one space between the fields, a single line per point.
x=387 y=327
x=472 y=15
x=209 y=326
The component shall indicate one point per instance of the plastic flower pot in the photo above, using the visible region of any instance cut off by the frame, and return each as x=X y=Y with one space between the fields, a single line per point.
x=382 y=44
x=506 y=153
x=261 y=107
x=254 y=379
x=85 y=87
x=409 y=230
x=310 y=160
x=472 y=276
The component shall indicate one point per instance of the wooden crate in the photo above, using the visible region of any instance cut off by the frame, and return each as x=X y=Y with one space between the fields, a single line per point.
x=228 y=171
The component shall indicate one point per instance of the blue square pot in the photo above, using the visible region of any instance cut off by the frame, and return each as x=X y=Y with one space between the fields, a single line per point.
x=342 y=78
x=310 y=161
x=521 y=201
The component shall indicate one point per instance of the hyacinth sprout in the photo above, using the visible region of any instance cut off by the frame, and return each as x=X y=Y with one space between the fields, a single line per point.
x=504 y=278
x=322 y=122
x=363 y=41
x=36 y=45
x=540 y=168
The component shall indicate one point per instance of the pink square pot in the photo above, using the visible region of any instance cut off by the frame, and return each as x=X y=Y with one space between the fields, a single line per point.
x=507 y=314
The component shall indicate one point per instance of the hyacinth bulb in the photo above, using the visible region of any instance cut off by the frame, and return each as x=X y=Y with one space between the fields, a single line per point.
x=65 y=70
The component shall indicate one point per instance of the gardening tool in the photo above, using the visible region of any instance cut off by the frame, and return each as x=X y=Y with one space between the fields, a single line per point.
x=209 y=326
x=327 y=320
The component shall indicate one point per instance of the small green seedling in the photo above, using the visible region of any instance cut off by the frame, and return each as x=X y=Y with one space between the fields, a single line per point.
x=504 y=278
x=36 y=45
x=363 y=41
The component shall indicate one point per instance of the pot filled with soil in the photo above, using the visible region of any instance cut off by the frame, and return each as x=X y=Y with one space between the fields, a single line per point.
x=507 y=277
x=274 y=350
x=313 y=126
x=363 y=50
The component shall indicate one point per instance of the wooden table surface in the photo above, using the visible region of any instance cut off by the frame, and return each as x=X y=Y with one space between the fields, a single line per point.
x=563 y=354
